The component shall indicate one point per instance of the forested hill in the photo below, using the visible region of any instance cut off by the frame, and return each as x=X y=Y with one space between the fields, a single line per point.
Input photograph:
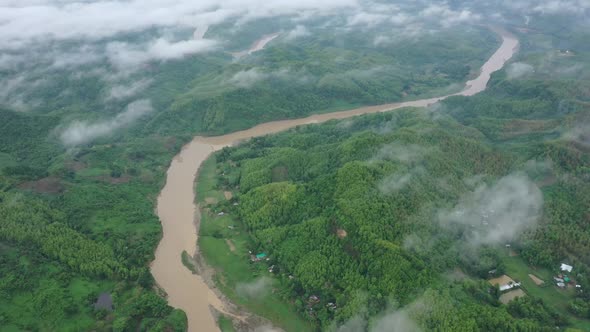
x=414 y=208
x=97 y=97
x=84 y=154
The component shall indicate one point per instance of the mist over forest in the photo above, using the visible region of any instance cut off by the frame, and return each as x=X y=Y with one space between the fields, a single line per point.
x=409 y=220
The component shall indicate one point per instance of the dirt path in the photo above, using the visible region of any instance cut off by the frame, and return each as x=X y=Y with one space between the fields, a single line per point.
x=231 y=245
x=179 y=216
x=536 y=279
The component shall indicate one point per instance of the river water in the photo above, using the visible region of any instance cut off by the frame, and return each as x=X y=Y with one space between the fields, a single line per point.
x=179 y=215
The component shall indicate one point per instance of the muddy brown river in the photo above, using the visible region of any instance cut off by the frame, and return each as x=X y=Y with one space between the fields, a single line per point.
x=179 y=215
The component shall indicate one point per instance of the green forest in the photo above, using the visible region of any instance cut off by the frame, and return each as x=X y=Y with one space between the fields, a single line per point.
x=346 y=211
x=352 y=213
x=78 y=221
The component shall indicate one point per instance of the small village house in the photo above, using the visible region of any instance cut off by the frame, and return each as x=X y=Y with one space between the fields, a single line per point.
x=566 y=268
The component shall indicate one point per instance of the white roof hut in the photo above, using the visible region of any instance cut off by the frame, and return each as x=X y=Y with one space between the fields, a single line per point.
x=565 y=267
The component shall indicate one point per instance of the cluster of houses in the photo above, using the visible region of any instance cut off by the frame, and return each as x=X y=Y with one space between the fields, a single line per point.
x=258 y=257
x=313 y=300
x=509 y=286
x=562 y=280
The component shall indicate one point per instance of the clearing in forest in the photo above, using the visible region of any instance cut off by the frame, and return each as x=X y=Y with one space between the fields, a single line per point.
x=503 y=280
x=231 y=245
x=536 y=280
x=513 y=294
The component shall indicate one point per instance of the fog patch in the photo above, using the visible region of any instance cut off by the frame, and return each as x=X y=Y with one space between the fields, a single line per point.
x=14 y=91
x=562 y=6
x=345 y=124
x=518 y=70
x=392 y=320
x=355 y=324
x=579 y=134
x=25 y=22
x=418 y=244
x=399 y=180
x=365 y=19
x=410 y=153
x=387 y=127
x=125 y=91
x=446 y=17
x=123 y=54
x=247 y=78
x=536 y=167
x=396 y=321
x=394 y=183
x=81 y=132
x=498 y=213
x=298 y=32
x=255 y=289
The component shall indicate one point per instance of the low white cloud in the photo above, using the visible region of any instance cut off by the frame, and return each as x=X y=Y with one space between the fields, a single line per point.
x=399 y=180
x=255 y=289
x=14 y=90
x=124 y=55
x=394 y=183
x=405 y=153
x=354 y=324
x=392 y=320
x=395 y=321
x=446 y=16
x=81 y=132
x=498 y=213
x=29 y=21
x=122 y=91
x=367 y=19
x=543 y=7
x=249 y=77
x=579 y=134
x=298 y=32
x=518 y=70
x=561 y=6
x=167 y=50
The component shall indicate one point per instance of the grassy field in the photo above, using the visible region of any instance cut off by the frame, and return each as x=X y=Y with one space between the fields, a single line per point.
x=232 y=264
x=557 y=298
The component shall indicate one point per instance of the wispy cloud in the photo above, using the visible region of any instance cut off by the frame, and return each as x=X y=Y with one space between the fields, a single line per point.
x=27 y=21
x=122 y=91
x=579 y=134
x=497 y=213
x=298 y=32
x=124 y=55
x=81 y=132
x=518 y=70
x=249 y=77
x=255 y=289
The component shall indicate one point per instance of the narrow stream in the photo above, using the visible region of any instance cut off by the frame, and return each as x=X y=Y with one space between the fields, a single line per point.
x=176 y=203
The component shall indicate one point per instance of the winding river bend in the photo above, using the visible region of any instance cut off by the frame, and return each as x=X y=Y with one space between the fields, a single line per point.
x=179 y=215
